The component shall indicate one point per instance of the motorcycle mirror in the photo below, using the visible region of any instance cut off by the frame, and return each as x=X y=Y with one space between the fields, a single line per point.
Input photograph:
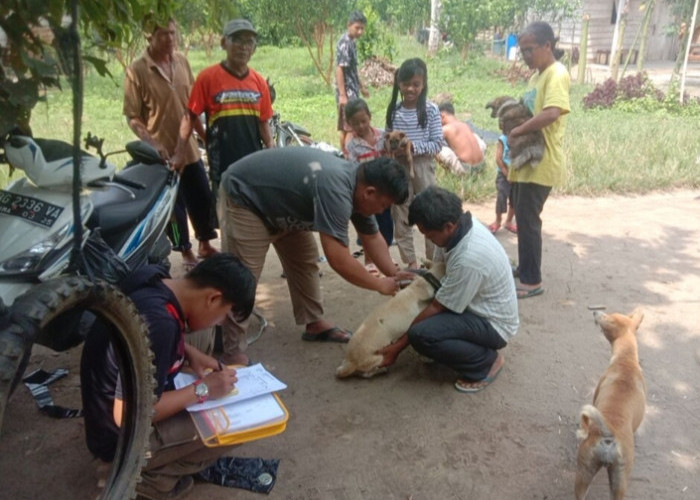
x=143 y=152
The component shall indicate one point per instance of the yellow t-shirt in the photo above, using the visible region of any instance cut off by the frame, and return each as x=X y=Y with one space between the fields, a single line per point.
x=545 y=90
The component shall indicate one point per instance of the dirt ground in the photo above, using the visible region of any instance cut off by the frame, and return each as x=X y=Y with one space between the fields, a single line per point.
x=408 y=434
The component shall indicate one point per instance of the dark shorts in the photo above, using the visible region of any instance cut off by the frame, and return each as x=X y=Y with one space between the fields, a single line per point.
x=504 y=195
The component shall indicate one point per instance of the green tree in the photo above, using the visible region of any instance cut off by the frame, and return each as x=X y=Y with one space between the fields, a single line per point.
x=683 y=10
x=464 y=19
x=39 y=46
x=316 y=24
x=408 y=16
x=201 y=21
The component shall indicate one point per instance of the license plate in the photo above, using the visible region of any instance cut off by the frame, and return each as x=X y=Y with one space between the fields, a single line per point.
x=28 y=208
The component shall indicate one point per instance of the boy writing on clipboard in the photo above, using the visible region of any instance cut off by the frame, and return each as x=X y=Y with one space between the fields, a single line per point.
x=169 y=306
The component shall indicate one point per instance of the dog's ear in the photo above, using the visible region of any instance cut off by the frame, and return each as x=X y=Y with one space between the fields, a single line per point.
x=637 y=317
x=402 y=135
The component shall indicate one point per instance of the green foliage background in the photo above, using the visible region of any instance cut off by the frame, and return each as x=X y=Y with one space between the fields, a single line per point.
x=607 y=150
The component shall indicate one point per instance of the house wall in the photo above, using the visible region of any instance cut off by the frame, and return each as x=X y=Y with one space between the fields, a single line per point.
x=601 y=29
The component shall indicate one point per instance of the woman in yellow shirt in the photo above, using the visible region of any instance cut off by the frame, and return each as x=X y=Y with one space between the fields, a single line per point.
x=548 y=99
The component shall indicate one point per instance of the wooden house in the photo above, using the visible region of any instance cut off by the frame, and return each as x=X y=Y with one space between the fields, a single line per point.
x=603 y=30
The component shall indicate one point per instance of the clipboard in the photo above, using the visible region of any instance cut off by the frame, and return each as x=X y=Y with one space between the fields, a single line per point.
x=221 y=426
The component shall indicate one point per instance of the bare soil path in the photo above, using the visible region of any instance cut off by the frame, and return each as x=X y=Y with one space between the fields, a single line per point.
x=409 y=434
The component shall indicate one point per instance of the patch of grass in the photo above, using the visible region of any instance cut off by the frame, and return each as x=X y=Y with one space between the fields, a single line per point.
x=607 y=150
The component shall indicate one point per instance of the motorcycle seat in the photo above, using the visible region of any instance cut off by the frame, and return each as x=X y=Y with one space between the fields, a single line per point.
x=58 y=150
x=118 y=209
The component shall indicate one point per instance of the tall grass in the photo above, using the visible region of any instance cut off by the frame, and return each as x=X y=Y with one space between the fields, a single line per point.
x=607 y=151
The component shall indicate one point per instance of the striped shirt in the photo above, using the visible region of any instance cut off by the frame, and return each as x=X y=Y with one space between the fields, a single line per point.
x=360 y=151
x=426 y=141
x=479 y=279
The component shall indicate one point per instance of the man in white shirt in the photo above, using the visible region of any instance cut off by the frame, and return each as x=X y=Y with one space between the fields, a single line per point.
x=475 y=311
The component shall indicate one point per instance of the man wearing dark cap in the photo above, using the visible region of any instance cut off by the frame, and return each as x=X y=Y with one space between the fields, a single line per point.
x=236 y=102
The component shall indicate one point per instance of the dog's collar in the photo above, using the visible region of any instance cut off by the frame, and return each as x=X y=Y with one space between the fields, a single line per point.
x=429 y=277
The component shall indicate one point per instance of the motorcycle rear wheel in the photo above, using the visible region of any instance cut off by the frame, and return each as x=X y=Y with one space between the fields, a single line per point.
x=34 y=310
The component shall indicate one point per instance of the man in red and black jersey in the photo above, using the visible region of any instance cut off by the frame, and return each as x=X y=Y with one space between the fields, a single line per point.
x=236 y=101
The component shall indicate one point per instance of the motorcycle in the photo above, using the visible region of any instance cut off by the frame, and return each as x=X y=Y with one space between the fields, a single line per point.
x=129 y=210
x=50 y=294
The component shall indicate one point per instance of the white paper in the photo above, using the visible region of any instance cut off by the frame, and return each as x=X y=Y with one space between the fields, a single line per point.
x=252 y=381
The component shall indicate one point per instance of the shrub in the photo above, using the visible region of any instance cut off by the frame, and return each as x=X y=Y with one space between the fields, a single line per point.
x=602 y=96
x=636 y=93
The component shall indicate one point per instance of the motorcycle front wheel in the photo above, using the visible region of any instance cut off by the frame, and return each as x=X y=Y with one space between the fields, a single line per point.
x=29 y=316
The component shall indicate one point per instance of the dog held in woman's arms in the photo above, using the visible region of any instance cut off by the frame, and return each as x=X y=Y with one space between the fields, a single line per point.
x=527 y=149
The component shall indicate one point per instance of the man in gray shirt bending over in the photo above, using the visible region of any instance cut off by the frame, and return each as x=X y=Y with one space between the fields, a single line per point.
x=279 y=197
x=475 y=311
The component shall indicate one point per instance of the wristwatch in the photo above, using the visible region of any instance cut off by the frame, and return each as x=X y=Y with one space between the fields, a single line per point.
x=201 y=390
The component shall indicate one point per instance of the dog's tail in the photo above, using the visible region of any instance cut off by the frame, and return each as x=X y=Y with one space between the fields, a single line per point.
x=593 y=425
x=345 y=369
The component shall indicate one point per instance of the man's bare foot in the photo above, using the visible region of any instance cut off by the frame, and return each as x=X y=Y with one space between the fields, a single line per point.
x=206 y=250
x=188 y=259
x=494 y=227
x=463 y=385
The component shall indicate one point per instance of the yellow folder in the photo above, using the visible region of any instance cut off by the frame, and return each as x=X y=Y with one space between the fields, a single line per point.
x=249 y=420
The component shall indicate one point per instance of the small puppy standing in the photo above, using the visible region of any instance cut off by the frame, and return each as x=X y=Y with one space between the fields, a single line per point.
x=398 y=147
x=607 y=427
x=385 y=324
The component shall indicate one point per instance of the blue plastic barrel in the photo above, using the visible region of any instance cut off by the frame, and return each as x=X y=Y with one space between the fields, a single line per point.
x=512 y=47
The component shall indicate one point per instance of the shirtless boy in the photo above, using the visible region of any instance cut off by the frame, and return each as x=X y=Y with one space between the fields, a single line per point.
x=467 y=147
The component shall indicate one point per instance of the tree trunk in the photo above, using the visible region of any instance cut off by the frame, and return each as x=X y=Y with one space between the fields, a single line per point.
x=434 y=38
x=642 y=55
x=617 y=50
x=691 y=32
x=583 y=50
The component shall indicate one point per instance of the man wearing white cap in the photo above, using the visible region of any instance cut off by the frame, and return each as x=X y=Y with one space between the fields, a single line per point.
x=236 y=101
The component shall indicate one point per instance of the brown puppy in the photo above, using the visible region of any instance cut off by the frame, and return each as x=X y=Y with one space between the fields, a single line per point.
x=524 y=149
x=607 y=427
x=385 y=324
x=398 y=147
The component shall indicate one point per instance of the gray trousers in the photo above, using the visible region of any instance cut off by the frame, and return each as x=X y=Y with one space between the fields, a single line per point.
x=465 y=342
x=244 y=235
x=424 y=167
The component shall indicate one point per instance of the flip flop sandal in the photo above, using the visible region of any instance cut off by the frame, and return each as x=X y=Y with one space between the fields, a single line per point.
x=334 y=334
x=476 y=386
x=513 y=228
x=493 y=227
x=524 y=293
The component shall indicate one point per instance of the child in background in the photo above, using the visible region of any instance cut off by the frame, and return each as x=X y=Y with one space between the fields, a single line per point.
x=347 y=78
x=504 y=197
x=420 y=120
x=366 y=143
